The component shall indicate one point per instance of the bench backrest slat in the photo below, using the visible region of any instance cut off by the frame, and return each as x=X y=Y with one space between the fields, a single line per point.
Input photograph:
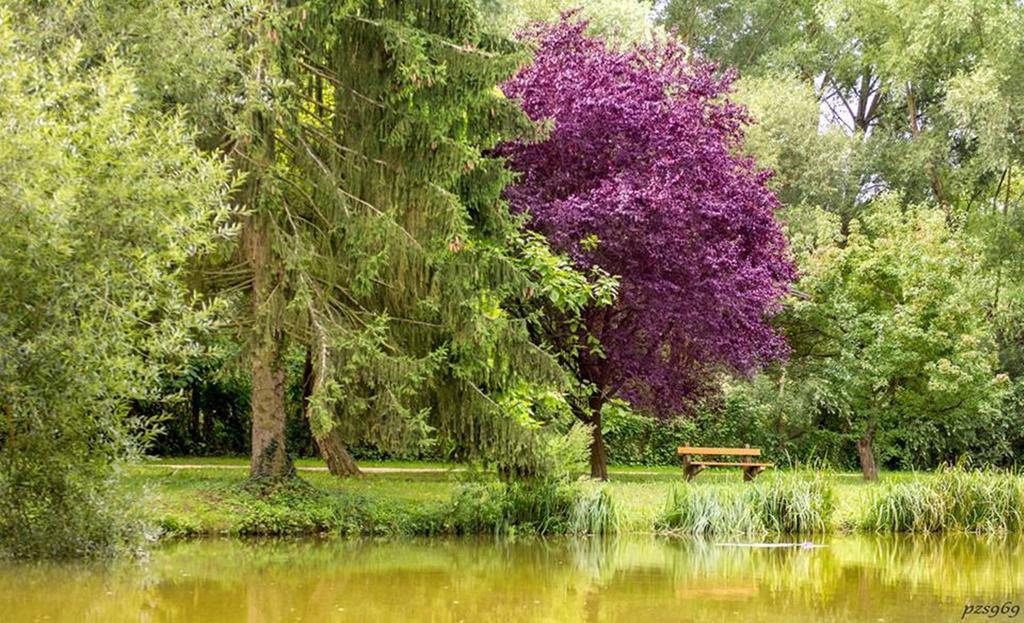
x=721 y=451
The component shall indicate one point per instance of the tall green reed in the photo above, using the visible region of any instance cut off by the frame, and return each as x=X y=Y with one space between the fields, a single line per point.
x=789 y=503
x=951 y=500
x=545 y=507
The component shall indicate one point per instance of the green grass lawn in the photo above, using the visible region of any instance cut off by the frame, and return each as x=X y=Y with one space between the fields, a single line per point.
x=212 y=499
x=243 y=461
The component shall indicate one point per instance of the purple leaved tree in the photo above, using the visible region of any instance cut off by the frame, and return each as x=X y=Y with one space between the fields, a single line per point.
x=641 y=175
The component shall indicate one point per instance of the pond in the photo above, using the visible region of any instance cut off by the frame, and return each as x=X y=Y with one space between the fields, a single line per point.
x=643 y=579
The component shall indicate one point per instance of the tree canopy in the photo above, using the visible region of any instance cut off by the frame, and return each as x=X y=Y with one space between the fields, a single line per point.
x=638 y=176
x=886 y=334
x=857 y=100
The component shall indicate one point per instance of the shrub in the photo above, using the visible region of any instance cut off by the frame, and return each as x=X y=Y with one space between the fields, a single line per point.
x=476 y=508
x=105 y=204
x=53 y=508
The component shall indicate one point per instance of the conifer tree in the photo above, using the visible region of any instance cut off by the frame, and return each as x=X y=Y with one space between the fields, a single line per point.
x=376 y=236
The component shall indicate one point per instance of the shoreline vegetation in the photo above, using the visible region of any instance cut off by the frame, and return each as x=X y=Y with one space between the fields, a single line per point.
x=410 y=499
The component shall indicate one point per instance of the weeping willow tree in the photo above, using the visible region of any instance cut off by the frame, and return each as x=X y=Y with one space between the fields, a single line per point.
x=376 y=238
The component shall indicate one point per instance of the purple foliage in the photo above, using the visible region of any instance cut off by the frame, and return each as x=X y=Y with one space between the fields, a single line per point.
x=643 y=153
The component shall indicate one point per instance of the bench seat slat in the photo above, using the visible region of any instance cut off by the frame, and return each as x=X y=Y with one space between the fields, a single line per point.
x=725 y=464
x=719 y=451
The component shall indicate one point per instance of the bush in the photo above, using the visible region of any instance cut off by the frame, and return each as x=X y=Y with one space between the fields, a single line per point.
x=53 y=508
x=636 y=439
x=105 y=205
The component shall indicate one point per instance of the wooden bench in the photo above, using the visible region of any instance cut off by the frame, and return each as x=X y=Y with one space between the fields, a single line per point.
x=693 y=467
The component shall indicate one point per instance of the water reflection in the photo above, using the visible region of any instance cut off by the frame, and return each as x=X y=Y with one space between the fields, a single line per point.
x=637 y=579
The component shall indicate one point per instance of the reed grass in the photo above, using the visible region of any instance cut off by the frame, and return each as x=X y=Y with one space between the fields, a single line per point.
x=594 y=512
x=800 y=502
x=790 y=503
x=532 y=507
x=951 y=500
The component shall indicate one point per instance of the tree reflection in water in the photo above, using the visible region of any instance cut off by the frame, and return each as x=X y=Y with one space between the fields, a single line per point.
x=857 y=578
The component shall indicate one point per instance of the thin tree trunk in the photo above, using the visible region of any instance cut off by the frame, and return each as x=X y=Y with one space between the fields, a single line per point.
x=269 y=456
x=195 y=426
x=598 y=460
x=865 y=448
x=332 y=447
x=933 y=173
x=10 y=427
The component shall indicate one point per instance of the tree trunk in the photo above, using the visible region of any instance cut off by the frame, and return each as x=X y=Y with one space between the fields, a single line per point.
x=598 y=461
x=269 y=456
x=339 y=461
x=332 y=448
x=865 y=448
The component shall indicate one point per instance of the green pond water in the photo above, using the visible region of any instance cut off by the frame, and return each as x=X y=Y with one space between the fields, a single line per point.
x=644 y=580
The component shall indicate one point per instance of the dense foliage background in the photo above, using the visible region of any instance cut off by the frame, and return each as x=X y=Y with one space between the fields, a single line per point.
x=832 y=122
x=495 y=231
x=863 y=113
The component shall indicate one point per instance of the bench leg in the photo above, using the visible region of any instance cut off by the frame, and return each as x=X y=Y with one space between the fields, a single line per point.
x=750 y=473
x=691 y=471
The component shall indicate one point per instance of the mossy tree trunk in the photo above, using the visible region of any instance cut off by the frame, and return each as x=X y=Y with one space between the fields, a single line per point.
x=339 y=461
x=256 y=157
x=269 y=454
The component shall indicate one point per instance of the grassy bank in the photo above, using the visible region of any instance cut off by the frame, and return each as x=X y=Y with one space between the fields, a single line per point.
x=211 y=497
x=215 y=501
